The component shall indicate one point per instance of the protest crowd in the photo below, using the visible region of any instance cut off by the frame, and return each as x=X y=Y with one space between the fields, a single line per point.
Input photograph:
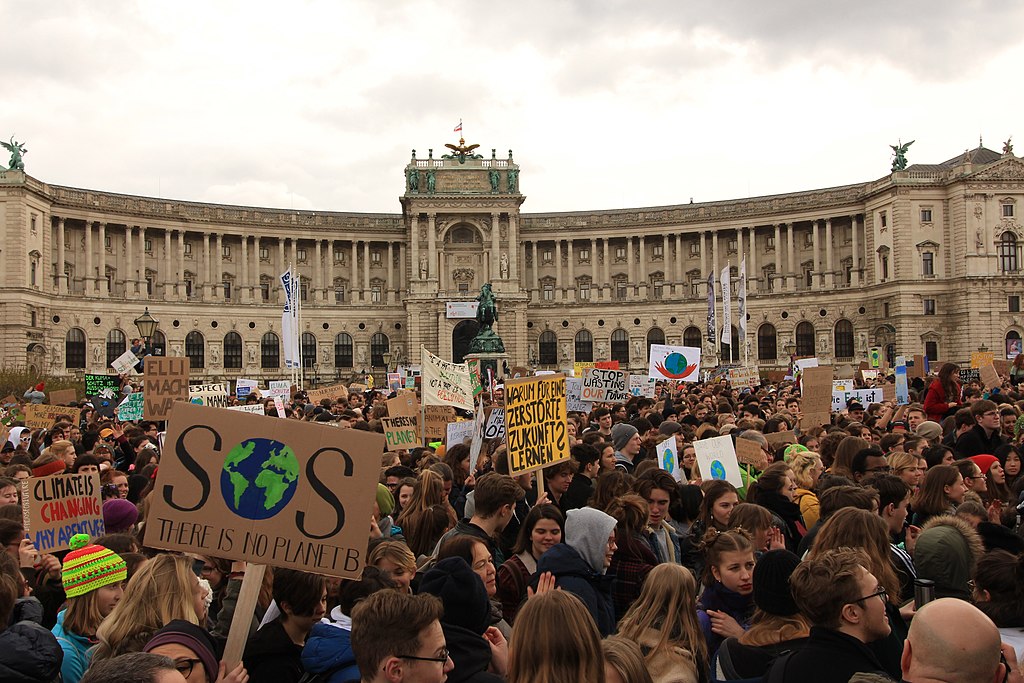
x=697 y=531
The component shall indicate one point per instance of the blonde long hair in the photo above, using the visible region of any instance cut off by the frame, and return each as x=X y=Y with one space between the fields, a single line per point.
x=555 y=640
x=82 y=616
x=158 y=593
x=667 y=606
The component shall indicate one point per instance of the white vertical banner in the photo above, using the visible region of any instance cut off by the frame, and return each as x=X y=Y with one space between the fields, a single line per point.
x=741 y=300
x=726 y=308
x=290 y=321
x=712 y=335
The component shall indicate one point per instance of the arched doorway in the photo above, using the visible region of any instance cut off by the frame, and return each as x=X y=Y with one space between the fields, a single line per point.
x=35 y=358
x=462 y=335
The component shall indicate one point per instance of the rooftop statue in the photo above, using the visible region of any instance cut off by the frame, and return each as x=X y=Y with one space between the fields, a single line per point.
x=18 y=151
x=899 y=162
x=1008 y=145
x=461 y=151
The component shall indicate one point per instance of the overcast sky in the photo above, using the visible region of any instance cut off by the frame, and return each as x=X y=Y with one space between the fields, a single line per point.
x=605 y=104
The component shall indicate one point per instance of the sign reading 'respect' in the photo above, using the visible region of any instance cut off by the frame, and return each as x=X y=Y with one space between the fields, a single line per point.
x=264 y=490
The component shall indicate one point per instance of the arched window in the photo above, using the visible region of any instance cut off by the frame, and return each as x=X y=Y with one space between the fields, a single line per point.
x=547 y=348
x=1008 y=261
x=620 y=346
x=655 y=335
x=308 y=349
x=767 y=342
x=805 y=339
x=462 y=235
x=195 y=349
x=691 y=337
x=159 y=344
x=343 y=350
x=584 y=347
x=270 y=351
x=842 y=339
x=74 y=349
x=232 y=351
x=116 y=345
x=379 y=345
x=1013 y=344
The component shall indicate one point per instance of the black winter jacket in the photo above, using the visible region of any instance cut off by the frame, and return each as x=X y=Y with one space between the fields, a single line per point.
x=573 y=574
x=29 y=654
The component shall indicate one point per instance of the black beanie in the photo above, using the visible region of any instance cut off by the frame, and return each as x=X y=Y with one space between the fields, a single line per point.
x=771 y=583
x=462 y=593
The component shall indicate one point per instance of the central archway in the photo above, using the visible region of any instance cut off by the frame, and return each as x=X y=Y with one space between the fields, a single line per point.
x=462 y=335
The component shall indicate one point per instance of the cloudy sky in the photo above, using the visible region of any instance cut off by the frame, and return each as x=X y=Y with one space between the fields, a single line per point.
x=606 y=104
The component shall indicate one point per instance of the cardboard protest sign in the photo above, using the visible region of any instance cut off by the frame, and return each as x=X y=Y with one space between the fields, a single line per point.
x=980 y=359
x=63 y=397
x=749 y=452
x=132 y=407
x=916 y=368
x=165 y=383
x=435 y=422
x=1002 y=367
x=57 y=507
x=640 y=385
x=674 y=363
x=244 y=387
x=394 y=382
x=42 y=416
x=458 y=432
x=776 y=439
x=869 y=375
x=744 y=377
x=333 y=392
x=815 y=396
x=255 y=408
x=716 y=458
x=445 y=383
x=256 y=489
x=668 y=459
x=605 y=386
x=573 y=390
x=989 y=377
x=124 y=363
x=402 y=425
x=535 y=423
x=495 y=427
x=888 y=392
x=10 y=400
x=211 y=395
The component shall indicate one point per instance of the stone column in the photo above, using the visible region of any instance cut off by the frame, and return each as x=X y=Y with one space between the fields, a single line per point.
x=432 y=246
x=778 y=255
x=402 y=283
x=593 y=266
x=815 y=248
x=282 y=266
x=606 y=286
x=790 y=273
x=669 y=277
x=536 y=265
x=294 y=257
x=571 y=289
x=102 y=279
x=318 y=280
x=558 y=270
x=678 y=275
x=414 y=242
x=329 y=294
x=704 y=260
x=390 y=297
x=714 y=256
x=831 y=279
x=170 y=289
x=630 y=259
x=495 y=246
x=739 y=248
x=131 y=281
x=245 y=291
x=855 y=275
x=62 y=279
x=354 y=282
x=366 y=268
x=207 y=287
x=182 y=293
x=513 y=247
x=642 y=281
x=142 y=262
x=752 y=273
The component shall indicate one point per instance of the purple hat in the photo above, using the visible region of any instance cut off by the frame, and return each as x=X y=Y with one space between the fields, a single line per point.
x=119 y=515
x=187 y=634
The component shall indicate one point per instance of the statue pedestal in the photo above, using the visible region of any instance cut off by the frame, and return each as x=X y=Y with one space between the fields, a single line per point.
x=493 y=361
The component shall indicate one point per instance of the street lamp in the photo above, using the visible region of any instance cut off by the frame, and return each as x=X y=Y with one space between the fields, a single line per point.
x=386 y=357
x=316 y=374
x=147 y=325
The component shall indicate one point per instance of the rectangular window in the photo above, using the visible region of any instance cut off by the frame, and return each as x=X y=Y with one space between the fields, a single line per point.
x=931 y=350
x=547 y=257
x=264 y=253
x=731 y=246
x=375 y=256
x=849 y=274
x=620 y=253
x=225 y=251
x=106 y=241
x=149 y=286
x=188 y=248
x=188 y=289
x=304 y=291
x=620 y=289
x=227 y=289
x=339 y=256
x=300 y=255
x=928 y=264
x=34 y=320
x=1013 y=303
x=769 y=243
x=585 y=255
x=695 y=248
x=695 y=287
x=929 y=306
x=809 y=238
x=1007 y=210
x=148 y=245
x=549 y=291
x=584 y=291
x=658 y=289
x=375 y=294
x=885 y=310
x=658 y=251
x=883 y=219
x=926 y=215
x=463 y=288
x=265 y=291
x=885 y=267
x=809 y=278
x=339 y=294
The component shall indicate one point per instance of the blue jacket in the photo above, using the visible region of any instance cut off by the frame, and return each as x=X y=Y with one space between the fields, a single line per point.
x=574 y=575
x=328 y=648
x=77 y=651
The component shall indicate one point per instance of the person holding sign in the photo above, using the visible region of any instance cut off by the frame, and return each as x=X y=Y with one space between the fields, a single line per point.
x=93 y=578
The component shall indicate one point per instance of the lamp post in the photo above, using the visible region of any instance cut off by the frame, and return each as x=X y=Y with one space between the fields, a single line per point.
x=147 y=325
x=316 y=374
x=386 y=356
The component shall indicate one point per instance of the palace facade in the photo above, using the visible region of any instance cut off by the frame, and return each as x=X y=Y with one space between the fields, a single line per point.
x=925 y=260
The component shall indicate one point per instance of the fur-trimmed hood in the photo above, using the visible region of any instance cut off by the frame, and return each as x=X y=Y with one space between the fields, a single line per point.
x=947 y=552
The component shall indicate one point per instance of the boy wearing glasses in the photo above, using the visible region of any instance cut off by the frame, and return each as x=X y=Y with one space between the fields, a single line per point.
x=397 y=638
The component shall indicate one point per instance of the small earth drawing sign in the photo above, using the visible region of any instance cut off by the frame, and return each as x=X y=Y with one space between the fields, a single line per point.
x=259 y=478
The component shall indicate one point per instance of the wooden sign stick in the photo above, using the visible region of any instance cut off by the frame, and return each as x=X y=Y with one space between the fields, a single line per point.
x=241 y=620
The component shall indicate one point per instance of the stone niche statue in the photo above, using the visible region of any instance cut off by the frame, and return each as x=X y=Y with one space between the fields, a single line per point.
x=424 y=271
x=252 y=354
x=486 y=340
x=503 y=266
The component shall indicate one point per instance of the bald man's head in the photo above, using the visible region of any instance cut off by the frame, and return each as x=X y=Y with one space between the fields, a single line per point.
x=952 y=641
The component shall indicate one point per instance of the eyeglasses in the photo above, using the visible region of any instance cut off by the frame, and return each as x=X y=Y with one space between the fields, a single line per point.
x=880 y=593
x=441 y=658
x=1006 y=666
x=392 y=486
x=185 y=665
x=884 y=468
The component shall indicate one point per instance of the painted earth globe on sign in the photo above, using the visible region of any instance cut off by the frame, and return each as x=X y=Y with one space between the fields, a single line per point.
x=717 y=470
x=259 y=478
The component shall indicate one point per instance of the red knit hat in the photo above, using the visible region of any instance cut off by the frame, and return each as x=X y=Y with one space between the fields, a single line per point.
x=46 y=464
x=984 y=462
x=88 y=567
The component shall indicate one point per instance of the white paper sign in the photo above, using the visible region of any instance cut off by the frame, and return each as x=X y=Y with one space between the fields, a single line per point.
x=863 y=396
x=674 y=363
x=642 y=386
x=458 y=432
x=280 y=388
x=124 y=363
x=256 y=408
x=668 y=458
x=573 y=402
x=279 y=406
x=213 y=395
x=605 y=386
x=444 y=383
x=716 y=458
x=244 y=387
x=495 y=428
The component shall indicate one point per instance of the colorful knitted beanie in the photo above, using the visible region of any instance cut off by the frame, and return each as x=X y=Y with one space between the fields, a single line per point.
x=88 y=567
